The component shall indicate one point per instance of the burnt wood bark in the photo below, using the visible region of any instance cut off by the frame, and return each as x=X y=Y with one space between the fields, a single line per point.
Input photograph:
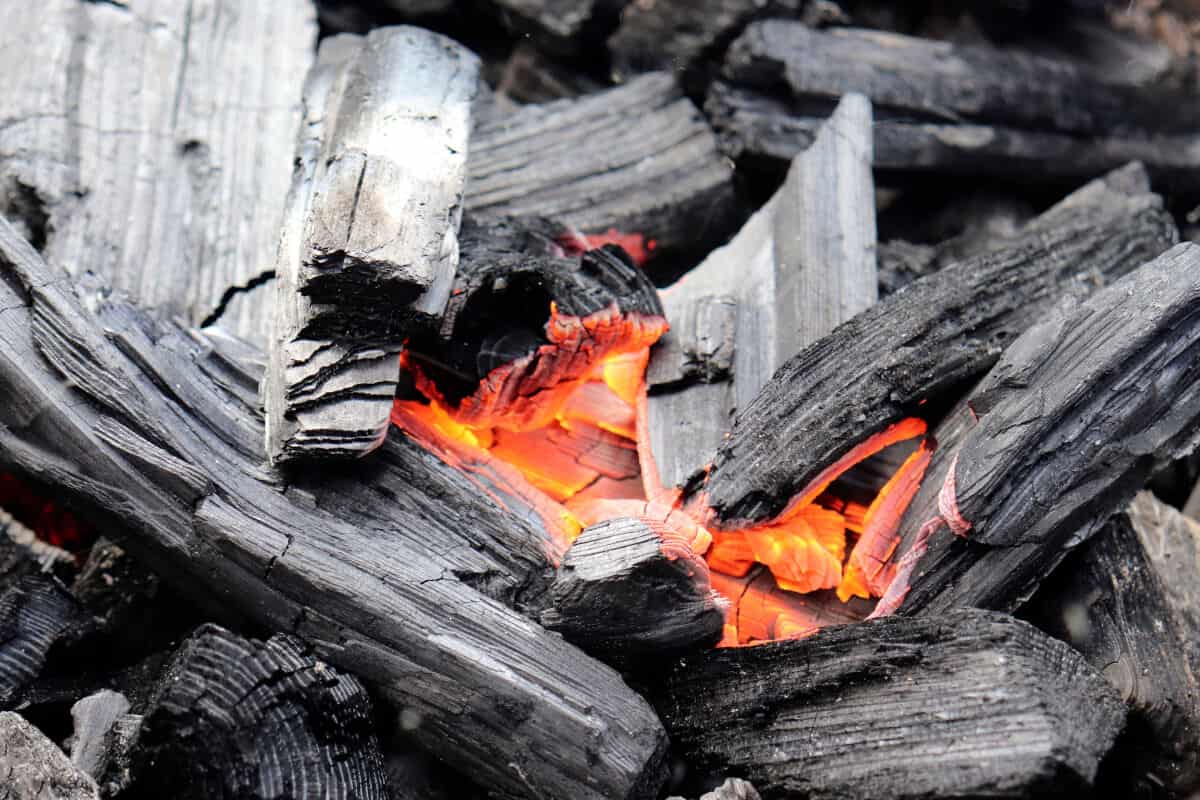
x=804 y=263
x=1128 y=601
x=587 y=163
x=752 y=124
x=939 y=331
x=1079 y=413
x=235 y=718
x=150 y=142
x=34 y=768
x=370 y=563
x=627 y=589
x=900 y=708
x=370 y=243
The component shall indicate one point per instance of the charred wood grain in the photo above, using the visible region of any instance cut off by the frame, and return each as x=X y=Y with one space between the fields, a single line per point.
x=898 y=708
x=235 y=718
x=160 y=426
x=627 y=590
x=370 y=242
x=1128 y=601
x=939 y=331
x=753 y=124
x=34 y=612
x=150 y=142
x=639 y=158
x=804 y=263
x=1079 y=413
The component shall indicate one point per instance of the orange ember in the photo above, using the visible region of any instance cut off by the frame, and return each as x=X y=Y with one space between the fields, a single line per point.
x=49 y=521
x=639 y=248
x=563 y=429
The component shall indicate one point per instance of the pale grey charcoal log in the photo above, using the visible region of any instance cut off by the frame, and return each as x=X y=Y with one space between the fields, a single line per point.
x=639 y=158
x=897 y=708
x=370 y=243
x=94 y=717
x=730 y=789
x=150 y=142
x=156 y=432
x=1129 y=601
x=804 y=263
x=34 y=768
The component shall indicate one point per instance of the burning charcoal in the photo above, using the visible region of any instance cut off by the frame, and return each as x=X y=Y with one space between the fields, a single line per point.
x=157 y=155
x=370 y=244
x=673 y=34
x=638 y=158
x=237 y=718
x=94 y=718
x=1082 y=409
x=1129 y=601
x=156 y=432
x=879 y=367
x=897 y=708
x=803 y=264
x=958 y=109
x=628 y=589
x=34 y=612
x=34 y=768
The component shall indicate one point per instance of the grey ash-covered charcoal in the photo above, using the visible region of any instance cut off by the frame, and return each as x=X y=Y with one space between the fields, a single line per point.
x=940 y=331
x=969 y=704
x=804 y=263
x=150 y=143
x=403 y=569
x=1079 y=413
x=1129 y=601
x=370 y=242
x=639 y=158
x=34 y=768
x=627 y=589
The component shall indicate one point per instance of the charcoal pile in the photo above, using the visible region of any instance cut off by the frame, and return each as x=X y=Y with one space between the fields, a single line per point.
x=593 y=399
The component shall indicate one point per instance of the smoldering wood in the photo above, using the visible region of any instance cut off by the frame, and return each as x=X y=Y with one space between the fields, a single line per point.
x=370 y=242
x=905 y=708
x=674 y=34
x=627 y=590
x=753 y=125
x=150 y=143
x=1127 y=600
x=583 y=162
x=953 y=326
x=803 y=264
x=34 y=767
x=93 y=718
x=200 y=508
x=940 y=81
x=1067 y=432
x=235 y=717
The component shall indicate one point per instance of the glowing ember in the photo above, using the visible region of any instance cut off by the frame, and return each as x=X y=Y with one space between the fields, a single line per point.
x=563 y=429
x=639 y=248
x=48 y=520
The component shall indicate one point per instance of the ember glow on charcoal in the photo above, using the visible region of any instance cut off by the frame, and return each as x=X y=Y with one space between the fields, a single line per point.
x=49 y=521
x=560 y=426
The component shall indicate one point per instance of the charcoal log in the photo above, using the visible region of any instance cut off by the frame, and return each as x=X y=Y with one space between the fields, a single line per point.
x=370 y=242
x=804 y=263
x=34 y=768
x=151 y=144
x=235 y=717
x=940 y=331
x=370 y=564
x=1128 y=601
x=638 y=158
x=628 y=589
x=897 y=708
x=1082 y=409
x=34 y=613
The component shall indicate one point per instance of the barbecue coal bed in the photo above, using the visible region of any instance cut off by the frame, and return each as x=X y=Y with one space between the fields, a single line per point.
x=591 y=399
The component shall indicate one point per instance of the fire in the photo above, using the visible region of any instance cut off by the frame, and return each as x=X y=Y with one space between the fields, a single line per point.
x=49 y=521
x=562 y=428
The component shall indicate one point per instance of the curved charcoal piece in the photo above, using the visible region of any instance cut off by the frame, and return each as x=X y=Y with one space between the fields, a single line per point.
x=155 y=430
x=1080 y=412
x=939 y=331
x=235 y=718
x=900 y=708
